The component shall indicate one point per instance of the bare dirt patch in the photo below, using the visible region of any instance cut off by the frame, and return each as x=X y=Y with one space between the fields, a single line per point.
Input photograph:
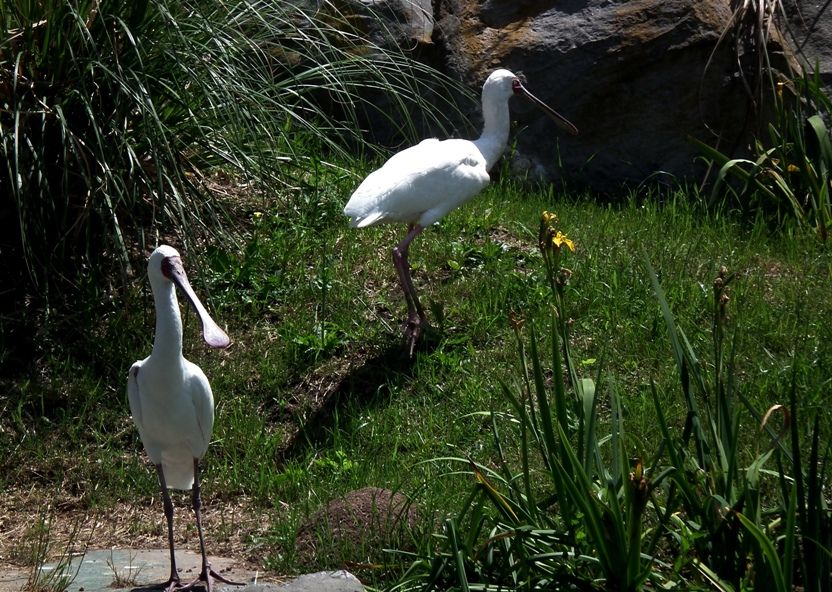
x=230 y=526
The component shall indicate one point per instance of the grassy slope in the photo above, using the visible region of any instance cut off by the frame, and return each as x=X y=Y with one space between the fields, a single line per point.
x=314 y=311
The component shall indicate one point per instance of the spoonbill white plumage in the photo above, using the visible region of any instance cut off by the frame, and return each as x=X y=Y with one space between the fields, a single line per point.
x=172 y=403
x=421 y=184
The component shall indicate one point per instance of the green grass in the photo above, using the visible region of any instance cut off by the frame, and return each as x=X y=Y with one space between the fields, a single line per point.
x=121 y=122
x=314 y=310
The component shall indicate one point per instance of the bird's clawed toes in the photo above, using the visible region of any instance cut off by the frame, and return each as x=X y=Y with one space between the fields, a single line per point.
x=171 y=585
x=205 y=581
x=413 y=331
x=211 y=574
x=176 y=585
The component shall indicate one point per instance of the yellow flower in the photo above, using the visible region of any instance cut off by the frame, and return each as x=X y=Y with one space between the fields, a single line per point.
x=560 y=239
x=549 y=218
x=258 y=215
x=793 y=168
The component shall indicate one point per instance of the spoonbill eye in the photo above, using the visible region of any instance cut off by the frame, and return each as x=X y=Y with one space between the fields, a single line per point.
x=168 y=266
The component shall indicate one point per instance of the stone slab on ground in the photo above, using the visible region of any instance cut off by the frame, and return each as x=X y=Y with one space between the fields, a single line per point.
x=98 y=570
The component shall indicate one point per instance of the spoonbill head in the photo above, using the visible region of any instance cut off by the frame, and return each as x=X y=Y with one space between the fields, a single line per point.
x=165 y=270
x=171 y=400
x=421 y=184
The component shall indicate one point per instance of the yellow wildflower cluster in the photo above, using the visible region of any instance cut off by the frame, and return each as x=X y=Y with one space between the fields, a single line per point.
x=552 y=241
x=549 y=218
x=551 y=237
x=560 y=239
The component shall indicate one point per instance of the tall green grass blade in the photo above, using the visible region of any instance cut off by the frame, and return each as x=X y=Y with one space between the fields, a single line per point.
x=546 y=419
x=818 y=565
x=790 y=537
x=498 y=500
x=682 y=364
x=775 y=568
x=821 y=144
x=606 y=534
x=618 y=456
x=559 y=388
x=458 y=554
x=525 y=465
x=712 y=577
x=588 y=443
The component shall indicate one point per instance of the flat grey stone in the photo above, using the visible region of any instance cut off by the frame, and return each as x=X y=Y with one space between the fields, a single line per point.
x=324 y=581
x=124 y=570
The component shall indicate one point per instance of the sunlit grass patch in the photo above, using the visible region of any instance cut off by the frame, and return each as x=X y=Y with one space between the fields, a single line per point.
x=316 y=397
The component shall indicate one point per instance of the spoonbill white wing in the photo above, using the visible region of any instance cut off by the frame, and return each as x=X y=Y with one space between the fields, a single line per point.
x=133 y=397
x=420 y=184
x=203 y=401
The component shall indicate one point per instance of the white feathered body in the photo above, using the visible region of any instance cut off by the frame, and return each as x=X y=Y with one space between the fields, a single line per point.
x=173 y=409
x=170 y=398
x=420 y=184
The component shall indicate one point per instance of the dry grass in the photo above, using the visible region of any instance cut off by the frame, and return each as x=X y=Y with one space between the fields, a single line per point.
x=230 y=526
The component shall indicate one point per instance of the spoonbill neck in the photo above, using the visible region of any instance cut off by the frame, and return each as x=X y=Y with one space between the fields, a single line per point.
x=167 y=342
x=496 y=124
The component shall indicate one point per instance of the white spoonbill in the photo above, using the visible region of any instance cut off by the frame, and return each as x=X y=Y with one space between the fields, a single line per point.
x=171 y=400
x=421 y=184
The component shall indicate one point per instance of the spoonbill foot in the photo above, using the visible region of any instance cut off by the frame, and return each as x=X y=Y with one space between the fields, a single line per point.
x=174 y=583
x=205 y=581
x=413 y=329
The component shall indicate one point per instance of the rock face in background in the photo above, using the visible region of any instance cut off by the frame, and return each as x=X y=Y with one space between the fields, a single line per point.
x=809 y=32
x=405 y=21
x=627 y=74
x=631 y=74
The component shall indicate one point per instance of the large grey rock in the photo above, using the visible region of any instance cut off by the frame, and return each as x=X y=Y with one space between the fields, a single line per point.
x=324 y=581
x=631 y=74
x=809 y=31
x=400 y=22
x=638 y=77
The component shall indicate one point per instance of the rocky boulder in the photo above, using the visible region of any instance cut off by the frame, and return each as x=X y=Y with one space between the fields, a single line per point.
x=630 y=74
x=400 y=22
x=638 y=77
x=357 y=527
x=808 y=29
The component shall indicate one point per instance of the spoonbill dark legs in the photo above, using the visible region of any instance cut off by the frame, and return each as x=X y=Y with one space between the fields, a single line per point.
x=206 y=574
x=415 y=313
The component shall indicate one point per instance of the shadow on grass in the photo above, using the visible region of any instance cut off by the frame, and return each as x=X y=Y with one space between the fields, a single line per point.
x=320 y=395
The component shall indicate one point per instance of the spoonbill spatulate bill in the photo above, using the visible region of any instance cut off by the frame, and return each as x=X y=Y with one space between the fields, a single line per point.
x=421 y=184
x=172 y=403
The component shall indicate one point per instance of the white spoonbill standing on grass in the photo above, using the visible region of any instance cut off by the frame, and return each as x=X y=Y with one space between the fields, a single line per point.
x=421 y=184
x=171 y=401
